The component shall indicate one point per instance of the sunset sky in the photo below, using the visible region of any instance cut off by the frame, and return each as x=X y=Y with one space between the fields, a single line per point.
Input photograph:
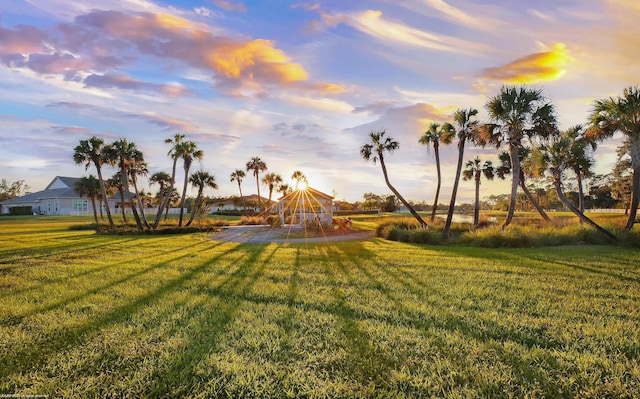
x=299 y=84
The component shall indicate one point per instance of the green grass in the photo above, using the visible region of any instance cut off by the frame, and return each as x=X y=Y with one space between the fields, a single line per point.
x=86 y=315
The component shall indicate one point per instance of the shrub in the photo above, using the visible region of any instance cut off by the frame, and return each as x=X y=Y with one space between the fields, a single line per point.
x=252 y=220
x=316 y=225
x=20 y=210
x=274 y=221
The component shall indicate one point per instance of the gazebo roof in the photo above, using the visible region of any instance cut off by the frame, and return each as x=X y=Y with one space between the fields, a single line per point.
x=307 y=192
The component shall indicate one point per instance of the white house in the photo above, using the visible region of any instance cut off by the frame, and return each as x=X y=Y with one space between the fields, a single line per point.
x=235 y=203
x=305 y=204
x=58 y=198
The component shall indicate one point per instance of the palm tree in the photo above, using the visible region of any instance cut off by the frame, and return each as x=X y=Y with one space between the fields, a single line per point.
x=474 y=169
x=89 y=186
x=257 y=165
x=125 y=154
x=467 y=130
x=518 y=113
x=621 y=114
x=375 y=151
x=175 y=142
x=238 y=175
x=526 y=170
x=115 y=182
x=88 y=152
x=299 y=177
x=271 y=180
x=188 y=151
x=284 y=189
x=200 y=179
x=555 y=158
x=163 y=179
x=435 y=135
x=581 y=160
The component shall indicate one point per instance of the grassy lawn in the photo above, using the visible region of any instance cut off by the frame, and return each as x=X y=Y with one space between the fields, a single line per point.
x=86 y=315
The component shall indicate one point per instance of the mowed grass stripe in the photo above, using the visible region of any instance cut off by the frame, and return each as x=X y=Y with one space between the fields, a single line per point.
x=184 y=316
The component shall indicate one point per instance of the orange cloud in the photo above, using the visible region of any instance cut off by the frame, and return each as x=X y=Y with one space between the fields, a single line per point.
x=539 y=67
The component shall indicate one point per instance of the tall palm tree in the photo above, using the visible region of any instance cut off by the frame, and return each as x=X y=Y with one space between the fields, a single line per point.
x=468 y=129
x=435 y=135
x=374 y=151
x=257 y=165
x=271 y=180
x=555 y=158
x=125 y=154
x=299 y=177
x=474 y=169
x=200 y=179
x=238 y=175
x=89 y=186
x=173 y=154
x=188 y=151
x=518 y=113
x=621 y=114
x=90 y=152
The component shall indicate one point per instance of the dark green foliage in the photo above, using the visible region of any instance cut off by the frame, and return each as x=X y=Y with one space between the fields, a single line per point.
x=21 y=210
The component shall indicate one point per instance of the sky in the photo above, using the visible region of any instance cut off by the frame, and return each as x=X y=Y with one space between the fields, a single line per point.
x=298 y=84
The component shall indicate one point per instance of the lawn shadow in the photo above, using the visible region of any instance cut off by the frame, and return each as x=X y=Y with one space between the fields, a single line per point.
x=38 y=350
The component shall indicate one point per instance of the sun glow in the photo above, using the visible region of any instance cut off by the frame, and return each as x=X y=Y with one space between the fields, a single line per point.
x=303 y=185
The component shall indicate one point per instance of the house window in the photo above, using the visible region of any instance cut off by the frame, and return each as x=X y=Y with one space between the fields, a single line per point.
x=79 y=206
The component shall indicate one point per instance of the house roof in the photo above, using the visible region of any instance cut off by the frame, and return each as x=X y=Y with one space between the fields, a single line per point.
x=63 y=192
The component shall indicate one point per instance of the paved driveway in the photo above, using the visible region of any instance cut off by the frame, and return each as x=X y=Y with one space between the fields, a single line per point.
x=267 y=234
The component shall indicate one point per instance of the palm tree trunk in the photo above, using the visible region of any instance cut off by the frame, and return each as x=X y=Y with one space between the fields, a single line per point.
x=397 y=194
x=104 y=195
x=125 y=183
x=258 y=186
x=581 y=216
x=515 y=181
x=95 y=211
x=167 y=199
x=635 y=197
x=454 y=192
x=124 y=215
x=140 y=204
x=533 y=200
x=580 y=192
x=184 y=195
x=101 y=203
x=196 y=205
x=476 y=208
x=244 y=206
x=436 y=151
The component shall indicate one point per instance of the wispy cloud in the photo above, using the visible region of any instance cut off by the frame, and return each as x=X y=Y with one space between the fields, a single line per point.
x=230 y=6
x=374 y=24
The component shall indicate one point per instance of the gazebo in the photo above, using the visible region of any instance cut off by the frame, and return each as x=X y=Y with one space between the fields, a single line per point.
x=305 y=204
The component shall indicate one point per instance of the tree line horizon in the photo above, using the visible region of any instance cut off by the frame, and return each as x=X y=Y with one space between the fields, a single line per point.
x=524 y=121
